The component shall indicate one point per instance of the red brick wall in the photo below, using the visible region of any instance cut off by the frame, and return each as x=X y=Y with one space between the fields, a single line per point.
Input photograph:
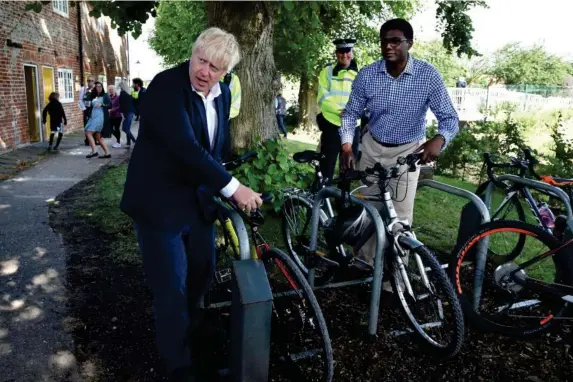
x=49 y=39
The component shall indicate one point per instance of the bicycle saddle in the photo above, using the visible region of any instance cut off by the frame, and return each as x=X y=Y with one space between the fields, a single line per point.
x=307 y=156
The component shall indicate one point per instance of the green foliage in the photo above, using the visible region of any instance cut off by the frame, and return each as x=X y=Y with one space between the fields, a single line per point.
x=292 y=117
x=457 y=26
x=517 y=65
x=562 y=163
x=447 y=64
x=177 y=26
x=274 y=170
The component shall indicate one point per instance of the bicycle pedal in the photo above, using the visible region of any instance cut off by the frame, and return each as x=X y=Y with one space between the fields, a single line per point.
x=223 y=275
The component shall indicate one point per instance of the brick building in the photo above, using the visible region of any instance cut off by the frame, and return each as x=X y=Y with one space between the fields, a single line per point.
x=51 y=51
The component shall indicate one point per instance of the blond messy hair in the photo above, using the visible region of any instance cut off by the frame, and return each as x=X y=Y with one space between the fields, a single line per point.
x=218 y=46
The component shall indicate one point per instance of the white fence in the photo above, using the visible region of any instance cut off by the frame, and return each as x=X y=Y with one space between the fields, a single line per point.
x=471 y=102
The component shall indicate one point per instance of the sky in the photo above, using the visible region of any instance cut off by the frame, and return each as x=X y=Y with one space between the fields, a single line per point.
x=549 y=22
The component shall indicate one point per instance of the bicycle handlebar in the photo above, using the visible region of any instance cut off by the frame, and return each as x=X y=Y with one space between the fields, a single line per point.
x=379 y=171
x=236 y=162
x=521 y=165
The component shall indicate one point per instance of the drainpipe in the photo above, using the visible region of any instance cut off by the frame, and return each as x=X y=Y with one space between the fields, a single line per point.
x=80 y=42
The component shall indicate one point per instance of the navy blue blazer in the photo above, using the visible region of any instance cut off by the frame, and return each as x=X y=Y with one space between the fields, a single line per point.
x=173 y=173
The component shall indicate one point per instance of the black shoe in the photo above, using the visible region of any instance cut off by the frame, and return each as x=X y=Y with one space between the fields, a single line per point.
x=56 y=148
x=183 y=374
x=105 y=156
x=50 y=148
x=92 y=155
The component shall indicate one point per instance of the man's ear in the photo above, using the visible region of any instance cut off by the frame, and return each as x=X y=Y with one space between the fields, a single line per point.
x=410 y=44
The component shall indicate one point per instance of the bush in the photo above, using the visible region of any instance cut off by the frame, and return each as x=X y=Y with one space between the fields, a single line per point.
x=274 y=170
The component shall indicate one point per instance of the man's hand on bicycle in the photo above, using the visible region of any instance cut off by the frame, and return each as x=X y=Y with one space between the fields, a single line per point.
x=247 y=199
x=347 y=158
x=431 y=149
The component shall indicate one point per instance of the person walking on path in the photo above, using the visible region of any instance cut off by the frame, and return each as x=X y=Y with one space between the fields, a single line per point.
x=115 y=115
x=334 y=86
x=127 y=110
x=280 y=107
x=98 y=118
x=57 y=119
x=137 y=94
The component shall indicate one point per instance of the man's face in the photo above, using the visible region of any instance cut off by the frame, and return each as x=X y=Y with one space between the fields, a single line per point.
x=135 y=86
x=204 y=74
x=111 y=90
x=344 y=56
x=90 y=83
x=395 y=46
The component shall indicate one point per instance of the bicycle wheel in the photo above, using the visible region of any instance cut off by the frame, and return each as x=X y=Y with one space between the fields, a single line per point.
x=432 y=309
x=296 y=214
x=508 y=209
x=301 y=343
x=504 y=306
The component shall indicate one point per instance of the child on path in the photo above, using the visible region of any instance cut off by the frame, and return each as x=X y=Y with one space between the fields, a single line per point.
x=57 y=115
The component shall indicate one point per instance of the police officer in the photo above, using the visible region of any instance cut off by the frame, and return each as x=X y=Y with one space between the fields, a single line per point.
x=334 y=86
x=232 y=80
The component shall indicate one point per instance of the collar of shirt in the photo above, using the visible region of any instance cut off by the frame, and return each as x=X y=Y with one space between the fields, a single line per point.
x=409 y=69
x=210 y=110
x=213 y=93
x=337 y=68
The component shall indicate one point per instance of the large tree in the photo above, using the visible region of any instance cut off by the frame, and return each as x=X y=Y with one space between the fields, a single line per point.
x=515 y=64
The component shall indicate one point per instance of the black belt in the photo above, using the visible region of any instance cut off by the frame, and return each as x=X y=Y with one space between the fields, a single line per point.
x=389 y=144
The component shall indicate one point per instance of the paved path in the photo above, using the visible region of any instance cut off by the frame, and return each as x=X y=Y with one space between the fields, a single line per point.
x=34 y=344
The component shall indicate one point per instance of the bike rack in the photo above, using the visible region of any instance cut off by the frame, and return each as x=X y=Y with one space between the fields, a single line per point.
x=240 y=229
x=378 y=258
x=251 y=309
x=555 y=191
x=483 y=210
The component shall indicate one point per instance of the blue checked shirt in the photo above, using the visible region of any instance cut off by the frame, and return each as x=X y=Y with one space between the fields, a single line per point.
x=398 y=106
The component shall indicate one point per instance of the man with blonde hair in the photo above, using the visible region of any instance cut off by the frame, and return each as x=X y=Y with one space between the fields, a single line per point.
x=173 y=174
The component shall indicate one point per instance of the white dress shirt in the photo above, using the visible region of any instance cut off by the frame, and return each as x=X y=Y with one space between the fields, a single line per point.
x=211 y=114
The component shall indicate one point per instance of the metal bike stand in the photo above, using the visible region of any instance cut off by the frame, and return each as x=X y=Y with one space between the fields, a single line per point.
x=378 y=258
x=481 y=250
x=555 y=191
x=251 y=309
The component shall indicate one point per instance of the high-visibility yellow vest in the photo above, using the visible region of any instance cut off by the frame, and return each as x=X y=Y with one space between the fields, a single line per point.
x=134 y=94
x=334 y=92
x=235 y=88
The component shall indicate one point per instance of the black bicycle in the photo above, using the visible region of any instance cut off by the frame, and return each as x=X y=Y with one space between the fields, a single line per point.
x=426 y=295
x=302 y=346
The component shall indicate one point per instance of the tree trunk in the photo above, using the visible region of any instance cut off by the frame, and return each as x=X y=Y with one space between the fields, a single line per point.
x=252 y=24
x=308 y=108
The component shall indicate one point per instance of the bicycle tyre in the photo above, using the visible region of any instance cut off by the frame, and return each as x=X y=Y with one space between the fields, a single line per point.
x=289 y=204
x=480 y=322
x=457 y=338
x=297 y=275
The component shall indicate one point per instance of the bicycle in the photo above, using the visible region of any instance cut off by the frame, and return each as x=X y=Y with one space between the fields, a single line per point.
x=415 y=282
x=295 y=307
x=297 y=206
x=514 y=286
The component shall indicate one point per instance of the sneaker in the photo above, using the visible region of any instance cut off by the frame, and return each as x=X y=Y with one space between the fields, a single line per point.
x=116 y=145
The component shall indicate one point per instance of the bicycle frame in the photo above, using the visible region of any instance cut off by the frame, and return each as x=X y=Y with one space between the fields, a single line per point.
x=514 y=192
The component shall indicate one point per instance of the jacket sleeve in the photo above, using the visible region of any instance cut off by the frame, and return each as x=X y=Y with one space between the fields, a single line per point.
x=166 y=121
x=63 y=114
x=44 y=114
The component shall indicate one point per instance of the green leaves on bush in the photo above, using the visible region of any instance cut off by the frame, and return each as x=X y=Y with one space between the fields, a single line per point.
x=274 y=170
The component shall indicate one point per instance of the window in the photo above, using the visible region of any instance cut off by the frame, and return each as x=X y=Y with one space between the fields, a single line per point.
x=117 y=82
x=61 y=7
x=103 y=79
x=66 y=85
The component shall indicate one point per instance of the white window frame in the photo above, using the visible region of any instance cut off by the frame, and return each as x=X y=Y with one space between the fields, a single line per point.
x=61 y=7
x=66 y=90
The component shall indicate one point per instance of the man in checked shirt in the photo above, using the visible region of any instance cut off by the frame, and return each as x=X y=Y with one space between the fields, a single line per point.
x=397 y=91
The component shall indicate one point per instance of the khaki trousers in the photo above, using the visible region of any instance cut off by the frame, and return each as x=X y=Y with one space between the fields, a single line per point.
x=402 y=189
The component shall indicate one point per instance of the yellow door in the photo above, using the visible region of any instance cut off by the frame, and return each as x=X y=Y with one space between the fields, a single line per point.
x=48 y=80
